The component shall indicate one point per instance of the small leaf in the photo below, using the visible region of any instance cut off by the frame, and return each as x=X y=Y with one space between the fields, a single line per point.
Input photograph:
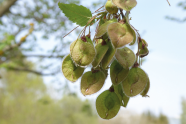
x=92 y=82
x=77 y=14
x=70 y=71
x=107 y=104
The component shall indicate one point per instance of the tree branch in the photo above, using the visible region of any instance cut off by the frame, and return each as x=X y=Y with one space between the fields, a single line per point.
x=4 y=7
x=44 y=56
x=33 y=71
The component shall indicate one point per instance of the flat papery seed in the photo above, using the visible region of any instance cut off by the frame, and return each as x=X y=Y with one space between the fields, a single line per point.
x=100 y=53
x=120 y=34
x=119 y=92
x=142 y=44
x=146 y=90
x=125 y=100
x=117 y=73
x=135 y=82
x=146 y=44
x=82 y=53
x=143 y=52
x=105 y=71
x=110 y=7
x=118 y=89
x=107 y=59
x=126 y=18
x=92 y=82
x=103 y=28
x=125 y=4
x=70 y=70
x=107 y=104
x=125 y=57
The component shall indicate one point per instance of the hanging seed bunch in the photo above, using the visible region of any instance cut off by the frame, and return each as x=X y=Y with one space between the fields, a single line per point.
x=107 y=51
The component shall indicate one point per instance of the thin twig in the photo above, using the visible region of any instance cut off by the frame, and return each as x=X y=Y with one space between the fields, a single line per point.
x=98 y=9
x=44 y=56
x=168 y=2
x=121 y=11
x=33 y=71
x=71 y=31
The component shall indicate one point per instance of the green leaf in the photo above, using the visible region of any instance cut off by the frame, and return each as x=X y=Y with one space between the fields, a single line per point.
x=77 y=14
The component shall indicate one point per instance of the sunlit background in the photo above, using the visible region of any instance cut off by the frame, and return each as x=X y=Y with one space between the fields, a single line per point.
x=33 y=89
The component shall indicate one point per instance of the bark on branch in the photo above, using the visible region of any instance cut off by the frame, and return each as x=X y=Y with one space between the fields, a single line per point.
x=4 y=7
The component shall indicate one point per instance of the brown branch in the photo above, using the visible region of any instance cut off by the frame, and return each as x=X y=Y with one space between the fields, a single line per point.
x=37 y=56
x=168 y=3
x=44 y=56
x=4 y=7
x=33 y=71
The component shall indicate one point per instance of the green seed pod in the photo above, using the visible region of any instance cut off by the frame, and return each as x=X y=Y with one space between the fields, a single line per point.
x=125 y=4
x=92 y=82
x=101 y=50
x=126 y=18
x=135 y=82
x=111 y=8
x=142 y=44
x=120 y=34
x=70 y=71
x=107 y=104
x=134 y=34
x=146 y=44
x=103 y=28
x=143 y=50
x=108 y=56
x=82 y=53
x=117 y=73
x=146 y=90
x=125 y=57
x=123 y=98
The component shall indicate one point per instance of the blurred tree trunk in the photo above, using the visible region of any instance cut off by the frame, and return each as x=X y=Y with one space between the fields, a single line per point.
x=4 y=7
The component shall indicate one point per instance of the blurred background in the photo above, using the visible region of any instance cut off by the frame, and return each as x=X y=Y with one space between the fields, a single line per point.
x=34 y=91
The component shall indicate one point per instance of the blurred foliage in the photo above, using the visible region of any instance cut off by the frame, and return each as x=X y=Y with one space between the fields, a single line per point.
x=128 y=117
x=183 y=115
x=43 y=43
x=150 y=118
x=182 y=5
x=23 y=100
